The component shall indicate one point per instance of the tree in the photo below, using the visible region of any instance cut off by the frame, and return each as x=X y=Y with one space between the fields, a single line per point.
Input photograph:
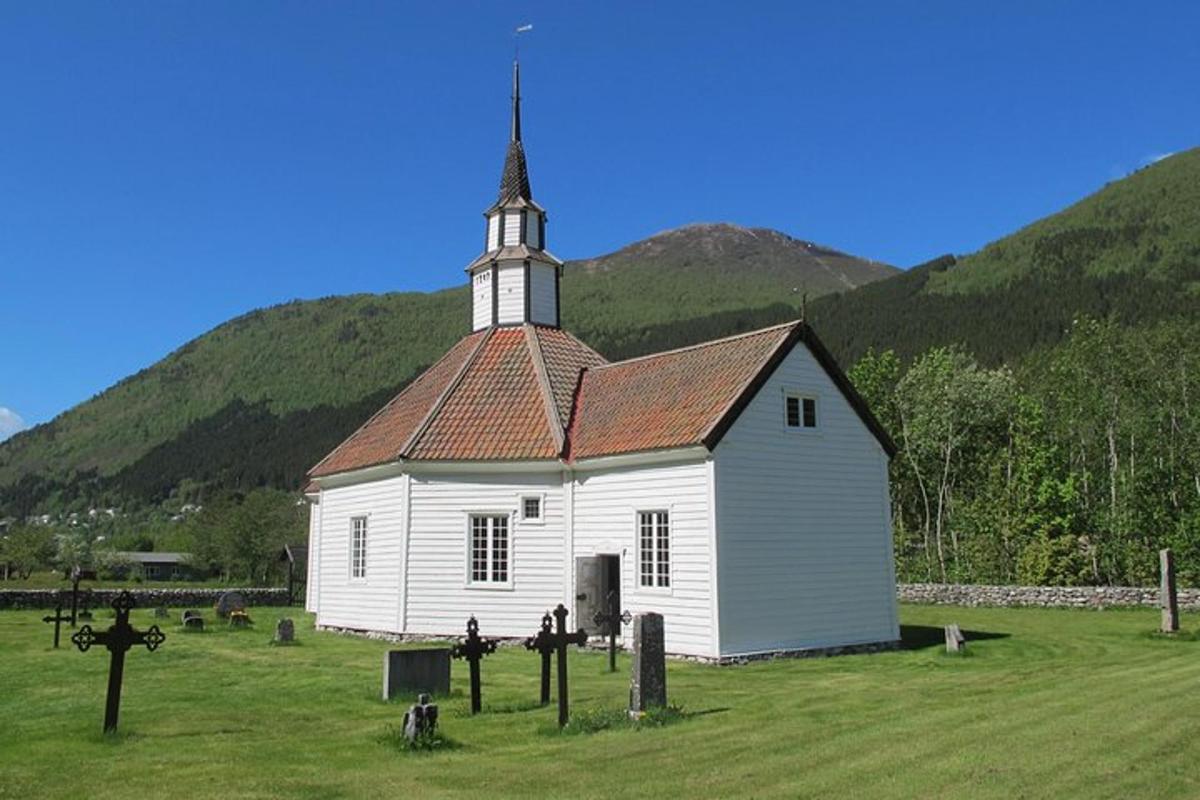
x=25 y=548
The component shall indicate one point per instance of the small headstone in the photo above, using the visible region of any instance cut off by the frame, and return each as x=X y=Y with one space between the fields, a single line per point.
x=420 y=719
x=161 y=612
x=648 y=681
x=229 y=602
x=955 y=641
x=1168 y=600
x=192 y=619
x=239 y=619
x=285 y=631
x=424 y=671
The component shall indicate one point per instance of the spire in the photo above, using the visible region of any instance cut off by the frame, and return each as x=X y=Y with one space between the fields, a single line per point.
x=514 y=181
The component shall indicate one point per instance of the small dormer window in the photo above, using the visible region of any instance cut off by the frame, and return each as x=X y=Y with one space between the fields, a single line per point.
x=801 y=412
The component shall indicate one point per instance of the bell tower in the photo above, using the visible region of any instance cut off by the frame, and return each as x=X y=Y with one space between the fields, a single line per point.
x=515 y=281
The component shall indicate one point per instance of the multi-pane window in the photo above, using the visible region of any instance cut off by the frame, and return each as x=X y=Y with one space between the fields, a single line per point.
x=654 y=545
x=801 y=411
x=358 y=547
x=489 y=549
x=531 y=507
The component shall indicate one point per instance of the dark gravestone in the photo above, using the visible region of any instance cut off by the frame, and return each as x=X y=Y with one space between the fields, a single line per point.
x=285 y=631
x=424 y=671
x=648 y=679
x=473 y=649
x=87 y=600
x=118 y=639
x=955 y=641
x=239 y=619
x=58 y=619
x=561 y=639
x=193 y=620
x=544 y=643
x=161 y=612
x=420 y=719
x=229 y=602
x=1168 y=599
x=79 y=574
x=610 y=622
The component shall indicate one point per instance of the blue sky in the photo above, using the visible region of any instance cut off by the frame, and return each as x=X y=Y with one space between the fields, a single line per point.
x=167 y=165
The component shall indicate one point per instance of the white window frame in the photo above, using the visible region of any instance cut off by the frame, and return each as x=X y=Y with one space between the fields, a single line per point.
x=655 y=586
x=358 y=571
x=801 y=395
x=538 y=520
x=488 y=584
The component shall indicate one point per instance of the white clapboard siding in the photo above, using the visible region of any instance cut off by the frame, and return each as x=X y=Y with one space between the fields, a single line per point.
x=373 y=602
x=493 y=232
x=803 y=523
x=481 y=299
x=512 y=228
x=605 y=516
x=511 y=304
x=439 y=597
x=312 y=586
x=543 y=299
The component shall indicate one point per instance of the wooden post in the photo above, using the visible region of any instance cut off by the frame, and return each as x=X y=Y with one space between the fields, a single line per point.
x=1167 y=597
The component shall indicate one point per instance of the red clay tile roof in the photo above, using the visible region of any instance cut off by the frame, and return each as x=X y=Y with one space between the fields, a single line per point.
x=508 y=394
x=671 y=399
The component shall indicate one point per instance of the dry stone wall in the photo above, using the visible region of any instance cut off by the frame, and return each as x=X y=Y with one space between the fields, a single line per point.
x=957 y=594
x=145 y=598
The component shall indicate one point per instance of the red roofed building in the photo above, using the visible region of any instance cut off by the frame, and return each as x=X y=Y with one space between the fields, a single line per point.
x=738 y=487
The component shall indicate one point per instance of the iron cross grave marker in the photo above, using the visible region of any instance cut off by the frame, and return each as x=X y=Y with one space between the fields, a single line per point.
x=612 y=620
x=118 y=639
x=561 y=639
x=544 y=643
x=58 y=619
x=473 y=649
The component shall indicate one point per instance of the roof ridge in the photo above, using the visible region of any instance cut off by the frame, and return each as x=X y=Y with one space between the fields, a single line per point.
x=395 y=399
x=574 y=339
x=545 y=389
x=699 y=345
x=427 y=420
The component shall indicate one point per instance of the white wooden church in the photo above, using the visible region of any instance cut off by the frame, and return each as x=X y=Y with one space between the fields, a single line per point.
x=738 y=487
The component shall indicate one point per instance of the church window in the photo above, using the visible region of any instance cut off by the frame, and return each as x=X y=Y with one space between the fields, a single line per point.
x=800 y=411
x=654 y=547
x=358 y=547
x=531 y=508
x=489 y=549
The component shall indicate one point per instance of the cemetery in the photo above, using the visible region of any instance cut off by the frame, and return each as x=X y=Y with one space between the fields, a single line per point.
x=1046 y=702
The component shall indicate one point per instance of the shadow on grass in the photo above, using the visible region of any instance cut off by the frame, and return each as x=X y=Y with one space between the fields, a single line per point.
x=1178 y=636
x=921 y=637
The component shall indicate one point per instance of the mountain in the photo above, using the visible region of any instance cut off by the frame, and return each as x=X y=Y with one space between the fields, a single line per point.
x=1131 y=252
x=260 y=398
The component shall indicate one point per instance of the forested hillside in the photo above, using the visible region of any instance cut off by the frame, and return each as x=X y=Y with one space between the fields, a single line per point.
x=259 y=399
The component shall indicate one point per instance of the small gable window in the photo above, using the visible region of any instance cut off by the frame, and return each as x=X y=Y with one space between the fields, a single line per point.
x=531 y=508
x=800 y=411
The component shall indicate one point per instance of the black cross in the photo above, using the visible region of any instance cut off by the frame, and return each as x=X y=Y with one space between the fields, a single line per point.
x=58 y=619
x=118 y=639
x=78 y=575
x=561 y=639
x=612 y=619
x=472 y=649
x=544 y=644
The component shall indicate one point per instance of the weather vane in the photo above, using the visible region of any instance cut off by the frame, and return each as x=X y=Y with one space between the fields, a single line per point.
x=526 y=28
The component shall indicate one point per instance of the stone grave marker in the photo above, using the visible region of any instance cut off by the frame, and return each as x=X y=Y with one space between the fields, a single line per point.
x=285 y=631
x=955 y=641
x=1168 y=599
x=192 y=619
x=229 y=602
x=424 y=671
x=239 y=619
x=648 y=680
x=420 y=719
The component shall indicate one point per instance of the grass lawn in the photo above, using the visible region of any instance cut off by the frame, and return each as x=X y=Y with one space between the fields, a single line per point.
x=1053 y=704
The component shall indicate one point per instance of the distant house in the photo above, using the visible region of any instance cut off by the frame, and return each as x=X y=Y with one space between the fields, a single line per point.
x=162 y=566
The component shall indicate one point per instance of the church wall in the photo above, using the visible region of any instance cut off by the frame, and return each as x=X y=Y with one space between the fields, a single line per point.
x=511 y=302
x=493 y=232
x=481 y=299
x=606 y=504
x=372 y=602
x=543 y=300
x=803 y=523
x=512 y=228
x=312 y=584
x=439 y=597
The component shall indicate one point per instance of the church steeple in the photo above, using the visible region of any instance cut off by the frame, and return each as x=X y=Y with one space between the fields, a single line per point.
x=515 y=281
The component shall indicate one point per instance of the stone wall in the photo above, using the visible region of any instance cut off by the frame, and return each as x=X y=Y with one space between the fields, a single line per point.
x=145 y=598
x=1042 y=596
